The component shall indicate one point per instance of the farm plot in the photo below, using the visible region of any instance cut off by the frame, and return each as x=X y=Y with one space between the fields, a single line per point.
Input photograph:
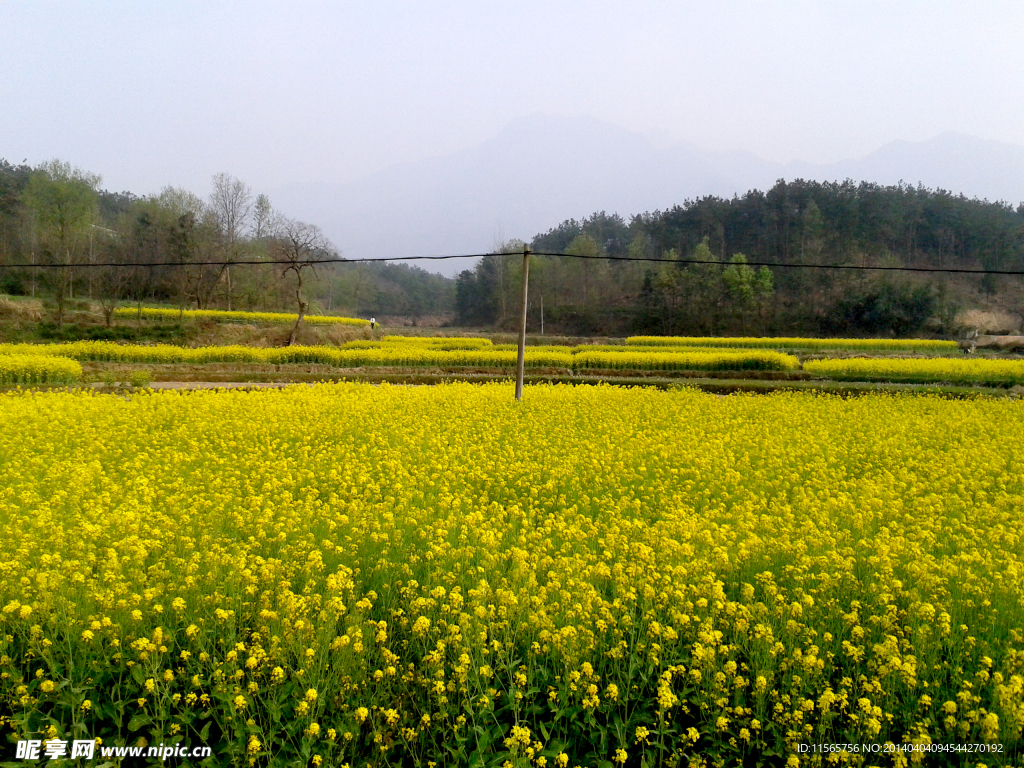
x=434 y=352
x=38 y=369
x=396 y=575
x=151 y=313
x=959 y=370
x=809 y=344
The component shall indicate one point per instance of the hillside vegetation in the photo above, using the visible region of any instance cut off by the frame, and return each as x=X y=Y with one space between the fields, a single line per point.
x=58 y=217
x=801 y=222
x=160 y=249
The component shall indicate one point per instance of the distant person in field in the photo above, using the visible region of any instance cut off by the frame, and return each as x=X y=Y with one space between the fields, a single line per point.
x=373 y=323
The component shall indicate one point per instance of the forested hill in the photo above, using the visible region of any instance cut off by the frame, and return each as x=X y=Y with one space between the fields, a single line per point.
x=793 y=222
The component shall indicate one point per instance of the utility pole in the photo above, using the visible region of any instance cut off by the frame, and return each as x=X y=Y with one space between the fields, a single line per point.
x=521 y=359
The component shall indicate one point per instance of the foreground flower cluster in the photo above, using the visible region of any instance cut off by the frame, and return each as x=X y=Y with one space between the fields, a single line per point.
x=350 y=574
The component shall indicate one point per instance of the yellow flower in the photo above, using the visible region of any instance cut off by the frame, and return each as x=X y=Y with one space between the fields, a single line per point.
x=738 y=551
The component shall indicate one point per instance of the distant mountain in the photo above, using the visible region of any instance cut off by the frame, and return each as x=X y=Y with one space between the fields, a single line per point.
x=540 y=170
x=952 y=161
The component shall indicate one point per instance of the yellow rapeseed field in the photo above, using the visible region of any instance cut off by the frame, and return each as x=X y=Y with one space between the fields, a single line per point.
x=396 y=351
x=38 y=369
x=351 y=575
x=970 y=370
x=245 y=317
x=710 y=360
x=432 y=342
x=782 y=342
x=454 y=342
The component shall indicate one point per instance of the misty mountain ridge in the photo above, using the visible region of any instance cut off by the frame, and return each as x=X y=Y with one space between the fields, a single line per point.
x=541 y=170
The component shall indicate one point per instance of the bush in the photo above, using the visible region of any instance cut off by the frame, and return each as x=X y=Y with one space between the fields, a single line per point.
x=896 y=309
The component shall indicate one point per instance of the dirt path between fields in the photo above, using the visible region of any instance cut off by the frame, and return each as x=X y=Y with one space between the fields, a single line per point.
x=224 y=384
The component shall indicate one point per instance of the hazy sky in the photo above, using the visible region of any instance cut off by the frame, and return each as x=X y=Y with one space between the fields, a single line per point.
x=156 y=93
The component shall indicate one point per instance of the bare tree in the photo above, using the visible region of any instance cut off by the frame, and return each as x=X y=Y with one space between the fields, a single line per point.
x=301 y=246
x=180 y=201
x=192 y=237
x=194 y=243
x=113 y=281
x=231 y=203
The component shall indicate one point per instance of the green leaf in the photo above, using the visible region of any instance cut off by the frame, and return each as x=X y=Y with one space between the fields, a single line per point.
x=138 y=674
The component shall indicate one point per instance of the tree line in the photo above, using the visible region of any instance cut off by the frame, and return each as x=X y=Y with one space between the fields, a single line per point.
x=58 y=216
x=804 y=222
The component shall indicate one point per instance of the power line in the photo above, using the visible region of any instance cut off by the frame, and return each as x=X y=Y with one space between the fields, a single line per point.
x=651 y=259
x=244 y=262
x=781 y=265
